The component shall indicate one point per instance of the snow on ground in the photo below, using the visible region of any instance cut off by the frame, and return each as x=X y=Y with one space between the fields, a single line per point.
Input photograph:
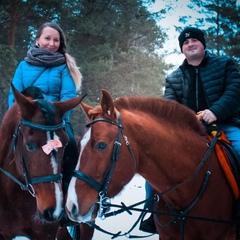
x=134 y=192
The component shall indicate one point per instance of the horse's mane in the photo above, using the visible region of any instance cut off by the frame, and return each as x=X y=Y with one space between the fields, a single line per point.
x=160 y=108
x=33 y=92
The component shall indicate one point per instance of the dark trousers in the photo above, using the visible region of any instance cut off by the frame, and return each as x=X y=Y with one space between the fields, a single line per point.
x=149 y=194
x=70 y=157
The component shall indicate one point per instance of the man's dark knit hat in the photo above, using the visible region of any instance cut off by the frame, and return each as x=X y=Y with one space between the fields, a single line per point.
x=191 y=32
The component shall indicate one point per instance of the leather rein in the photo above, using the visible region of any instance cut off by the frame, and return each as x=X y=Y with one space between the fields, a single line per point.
x=41 y=179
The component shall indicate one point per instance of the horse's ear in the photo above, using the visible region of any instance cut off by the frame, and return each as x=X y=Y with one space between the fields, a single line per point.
x=86 y=108
x=107 y=104
x=63 y=107
x=27 y=106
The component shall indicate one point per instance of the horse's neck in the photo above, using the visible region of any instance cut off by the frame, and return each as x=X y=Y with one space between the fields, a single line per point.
x=166 y=154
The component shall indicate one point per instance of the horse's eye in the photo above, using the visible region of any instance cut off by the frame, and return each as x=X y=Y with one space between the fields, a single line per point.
x=101 y=146
x=31 y=146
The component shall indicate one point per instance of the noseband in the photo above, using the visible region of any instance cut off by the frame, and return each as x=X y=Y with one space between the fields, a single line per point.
x=42 y=179
x=103 y=185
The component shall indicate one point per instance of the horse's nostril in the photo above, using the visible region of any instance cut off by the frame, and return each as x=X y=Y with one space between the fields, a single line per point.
x=48 y=214
x=74 y=209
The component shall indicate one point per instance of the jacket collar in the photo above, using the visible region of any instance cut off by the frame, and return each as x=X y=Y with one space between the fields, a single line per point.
x=203 y=63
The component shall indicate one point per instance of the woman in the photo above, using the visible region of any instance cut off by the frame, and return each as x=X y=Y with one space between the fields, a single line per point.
x=49 y=67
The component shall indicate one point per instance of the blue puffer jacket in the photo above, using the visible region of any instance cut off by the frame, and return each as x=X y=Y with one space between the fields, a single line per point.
x=221 y=86
x=56 y=82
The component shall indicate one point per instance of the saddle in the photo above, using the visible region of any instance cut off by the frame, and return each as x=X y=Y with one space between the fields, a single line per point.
x=228 y=160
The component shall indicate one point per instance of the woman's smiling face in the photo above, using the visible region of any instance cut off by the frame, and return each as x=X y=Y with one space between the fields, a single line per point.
x=49 y=39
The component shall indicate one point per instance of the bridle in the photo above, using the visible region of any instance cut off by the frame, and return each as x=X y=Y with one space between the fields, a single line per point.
x=102 y=187
x=41 y=179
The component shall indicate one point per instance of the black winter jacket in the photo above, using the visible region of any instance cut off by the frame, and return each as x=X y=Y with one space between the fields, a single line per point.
x=220 y=82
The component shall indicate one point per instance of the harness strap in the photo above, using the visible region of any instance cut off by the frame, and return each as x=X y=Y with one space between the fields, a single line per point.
x=118 y=234
x=12 y=146
x=104 y=120
x=36 y=180
x=210 y=149
x=43 y=127
x=183 y=214
x=87 y=179
x=129 y=148
x=47 y=178
x=23 y=187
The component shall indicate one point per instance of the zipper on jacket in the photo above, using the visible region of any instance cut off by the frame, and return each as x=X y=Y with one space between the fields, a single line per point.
x=197 y=104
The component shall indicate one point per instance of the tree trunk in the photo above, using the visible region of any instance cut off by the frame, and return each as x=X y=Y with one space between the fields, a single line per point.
x=13 y=21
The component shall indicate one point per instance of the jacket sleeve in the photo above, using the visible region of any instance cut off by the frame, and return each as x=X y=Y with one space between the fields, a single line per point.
x=173 y=86
x=228 y=102
x=169 y=92
x=17 y=81
x=68 y=90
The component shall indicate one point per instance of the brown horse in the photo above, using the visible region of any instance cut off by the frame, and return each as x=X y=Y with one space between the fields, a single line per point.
x=165 y=143
x=33 y=139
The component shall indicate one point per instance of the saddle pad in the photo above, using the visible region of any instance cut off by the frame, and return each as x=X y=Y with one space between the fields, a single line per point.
x=225 y=164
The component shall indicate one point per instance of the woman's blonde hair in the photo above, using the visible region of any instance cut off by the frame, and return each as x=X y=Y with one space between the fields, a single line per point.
x=74 y=71
x=71 y=63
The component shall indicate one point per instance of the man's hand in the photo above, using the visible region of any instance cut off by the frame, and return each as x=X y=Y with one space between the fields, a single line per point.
x=207 y=116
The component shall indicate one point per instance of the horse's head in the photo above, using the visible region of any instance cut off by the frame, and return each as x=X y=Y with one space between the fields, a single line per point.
x=40 y=143
x=101 y=172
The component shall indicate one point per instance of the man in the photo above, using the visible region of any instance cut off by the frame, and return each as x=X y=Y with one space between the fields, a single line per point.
x=210 y=86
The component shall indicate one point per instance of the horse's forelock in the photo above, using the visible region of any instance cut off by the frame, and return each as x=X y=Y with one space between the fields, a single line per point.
x=48 y=109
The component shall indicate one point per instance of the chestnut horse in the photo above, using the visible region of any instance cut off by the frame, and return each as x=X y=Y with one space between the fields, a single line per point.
x=165 y=143
x=33 y=139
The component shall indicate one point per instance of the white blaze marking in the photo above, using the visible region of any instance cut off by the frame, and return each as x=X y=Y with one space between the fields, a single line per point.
x=72 y=196
x=84 y=141
x=53 y=161
x=59 y=197
x=57 y=187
